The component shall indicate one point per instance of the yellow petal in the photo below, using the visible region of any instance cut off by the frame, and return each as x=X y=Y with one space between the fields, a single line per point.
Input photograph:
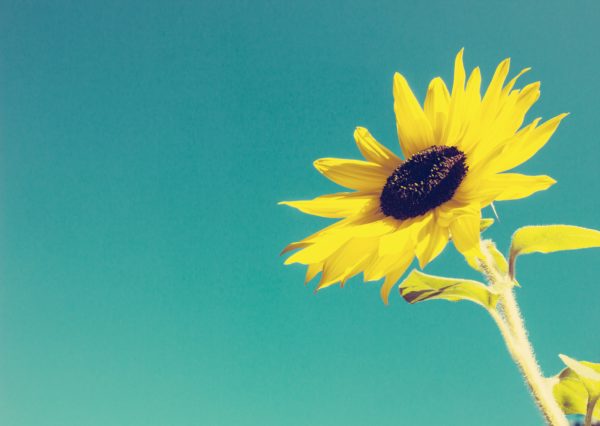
x=380 y=266
x=393 y=277
x=473 y=90
x=498 y=158
x=512 y=82
x=432 y=241
x=527 y=97
x=437 y=103
x=347 y=261
x=393 y=249
x=323 y=244
x=526 y=144
x=465 y=235
x=500 y=121
x=458 y=84
x=335 y=227
x=319 y=250
x=353 y=174
x=494 y=90
x=312 y=270
x=447 y=212
x=341 y=204
x=375 y=152
x=513 y=186
x=407 y=232
x=294 y=246
x=454 y=128
x=510 y=116
x=414 y=130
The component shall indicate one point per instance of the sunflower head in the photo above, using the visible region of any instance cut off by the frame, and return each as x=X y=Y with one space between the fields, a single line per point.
x=457 y=148
x=427 y=180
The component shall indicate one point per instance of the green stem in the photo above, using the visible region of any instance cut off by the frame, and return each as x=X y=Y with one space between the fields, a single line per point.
x=590 y=410
x=512 y=328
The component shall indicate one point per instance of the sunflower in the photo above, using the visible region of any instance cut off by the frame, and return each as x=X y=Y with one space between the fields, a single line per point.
x=456 y=149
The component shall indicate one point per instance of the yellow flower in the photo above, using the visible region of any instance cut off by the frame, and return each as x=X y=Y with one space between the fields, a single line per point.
x=456 y=149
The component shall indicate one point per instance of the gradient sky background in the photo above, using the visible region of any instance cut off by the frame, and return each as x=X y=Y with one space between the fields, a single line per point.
x=143 y=149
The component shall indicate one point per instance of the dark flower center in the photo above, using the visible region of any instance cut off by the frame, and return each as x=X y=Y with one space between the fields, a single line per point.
x=424 y=181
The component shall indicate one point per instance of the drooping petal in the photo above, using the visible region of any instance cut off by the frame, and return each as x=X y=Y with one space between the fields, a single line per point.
x=433 y=239
x=353 y=174
x=452 y=209
x=328 y=230
x=312 y=270
x=465 y=235
x=323 y=244
x=375 y=152
x=406 y=233
x=414 y=130
x=392 y=278
x=347 y=261
x=320 y=249
x=341 y=204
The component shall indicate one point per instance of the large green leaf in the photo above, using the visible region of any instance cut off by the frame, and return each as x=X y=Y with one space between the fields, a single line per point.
x=418 y=287
x=551 y=238
x=577 y=384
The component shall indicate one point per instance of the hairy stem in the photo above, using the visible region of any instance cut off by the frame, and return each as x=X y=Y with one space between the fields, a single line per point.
x=514 y=333
x=525 y=359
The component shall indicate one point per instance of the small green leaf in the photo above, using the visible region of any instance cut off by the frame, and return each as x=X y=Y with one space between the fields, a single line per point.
x=576 y=385
x=499 y=259
x=550 y=238
x=418 y=287
x=485 y=223
x=587 y=372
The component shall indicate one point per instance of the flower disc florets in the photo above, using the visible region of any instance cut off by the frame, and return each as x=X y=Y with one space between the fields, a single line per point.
x=426 y=180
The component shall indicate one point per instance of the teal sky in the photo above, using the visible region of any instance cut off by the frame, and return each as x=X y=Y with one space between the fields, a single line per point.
x=143 y=149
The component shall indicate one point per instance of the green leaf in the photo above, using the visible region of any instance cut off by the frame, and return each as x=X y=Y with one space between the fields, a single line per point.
x=418 y=287
x=550 y=238
x=571 y=396
x=499 y=259
x=587 y=372
x=577 y=384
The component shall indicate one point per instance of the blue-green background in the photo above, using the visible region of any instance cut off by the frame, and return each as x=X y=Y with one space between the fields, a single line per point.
x=143 y=149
